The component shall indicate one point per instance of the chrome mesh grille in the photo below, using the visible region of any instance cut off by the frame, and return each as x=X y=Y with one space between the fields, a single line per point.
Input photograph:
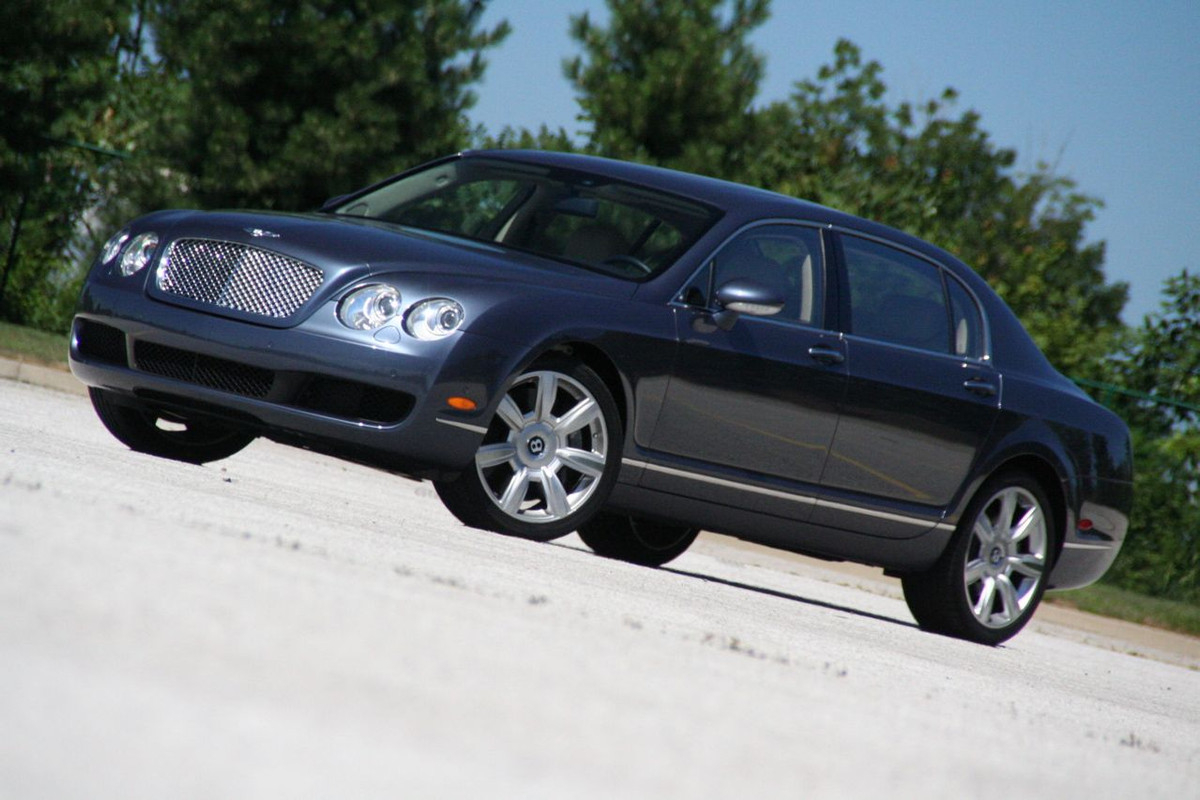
x=237 y=276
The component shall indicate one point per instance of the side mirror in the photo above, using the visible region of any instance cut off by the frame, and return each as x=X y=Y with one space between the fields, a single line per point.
x=745 y=296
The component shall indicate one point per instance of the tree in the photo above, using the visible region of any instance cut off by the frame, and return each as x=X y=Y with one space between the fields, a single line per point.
x=288 y=102
x=57 y=60
x=939 y=176
x=1160 y=369
x=670 y=82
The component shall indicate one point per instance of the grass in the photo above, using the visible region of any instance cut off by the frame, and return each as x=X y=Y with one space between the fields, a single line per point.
x=50 y=349
x=26 y=344
x=1110 y=601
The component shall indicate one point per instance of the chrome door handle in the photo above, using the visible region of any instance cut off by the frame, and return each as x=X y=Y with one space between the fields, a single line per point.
x=981 y=387
x=826 y=355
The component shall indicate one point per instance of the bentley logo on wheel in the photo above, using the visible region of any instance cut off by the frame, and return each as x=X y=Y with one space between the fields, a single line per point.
x=537 y=446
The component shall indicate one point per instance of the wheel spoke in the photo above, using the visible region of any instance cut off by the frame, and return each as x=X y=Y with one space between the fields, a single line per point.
x=547 y=393
x=1010 y=604
x=582 y=461
x=511 y=414
x=983 y=530
x=557 y=504
x=1028 y=565
x=515 y=492
x=584 y=413
x=491 y=455
x=1031 y=517
x=1008 y=506
x=983 y=606
x=975 y=571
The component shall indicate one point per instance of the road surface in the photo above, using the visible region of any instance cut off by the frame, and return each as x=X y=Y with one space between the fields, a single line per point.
x=282 y=624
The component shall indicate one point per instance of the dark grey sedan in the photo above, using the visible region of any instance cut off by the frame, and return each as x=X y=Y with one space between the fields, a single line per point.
x=563 y=343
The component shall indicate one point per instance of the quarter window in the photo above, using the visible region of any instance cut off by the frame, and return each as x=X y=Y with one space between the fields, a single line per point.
x=966 y=320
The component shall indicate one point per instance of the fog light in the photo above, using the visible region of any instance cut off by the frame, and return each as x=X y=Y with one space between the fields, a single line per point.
x=434 y=319
x=370 y=307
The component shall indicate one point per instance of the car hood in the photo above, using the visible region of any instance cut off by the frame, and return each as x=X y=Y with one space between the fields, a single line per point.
x=347 y=249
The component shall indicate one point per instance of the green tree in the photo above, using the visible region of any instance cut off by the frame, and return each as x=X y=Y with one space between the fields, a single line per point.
x=1160 y=363
x=57 y=60
x=670 y=82
x=288 y=102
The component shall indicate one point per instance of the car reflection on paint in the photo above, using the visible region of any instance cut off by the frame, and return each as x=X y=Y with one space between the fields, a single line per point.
x=564 y=343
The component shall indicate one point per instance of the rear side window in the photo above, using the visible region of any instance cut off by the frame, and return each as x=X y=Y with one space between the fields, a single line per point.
x=896 y=297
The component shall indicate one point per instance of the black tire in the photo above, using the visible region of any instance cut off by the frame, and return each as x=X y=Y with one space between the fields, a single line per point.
x=192 y=441
x=991 y=578
x=638 y=541
x=549 y=459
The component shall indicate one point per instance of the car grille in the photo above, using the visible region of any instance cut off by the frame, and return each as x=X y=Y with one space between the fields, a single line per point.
x=214 y=373
x=358 y=402
x=237 y=277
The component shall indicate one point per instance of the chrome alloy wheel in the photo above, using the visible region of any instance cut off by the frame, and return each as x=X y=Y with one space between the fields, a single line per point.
x=547 y=448
x=1006 y=557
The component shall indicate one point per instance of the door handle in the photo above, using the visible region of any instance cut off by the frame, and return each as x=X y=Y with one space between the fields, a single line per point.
x=980 y=386
x=826 y=355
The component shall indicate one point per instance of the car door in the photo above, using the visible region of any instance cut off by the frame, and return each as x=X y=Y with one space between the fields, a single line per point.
x=921 y=395
x=749 y=413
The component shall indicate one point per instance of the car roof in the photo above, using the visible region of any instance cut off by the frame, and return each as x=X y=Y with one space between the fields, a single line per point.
x=733 y=198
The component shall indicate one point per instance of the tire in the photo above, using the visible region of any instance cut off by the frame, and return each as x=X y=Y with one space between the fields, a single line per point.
x=991 y=578
x=549 y=458
x=195 y=442
x=638 y=541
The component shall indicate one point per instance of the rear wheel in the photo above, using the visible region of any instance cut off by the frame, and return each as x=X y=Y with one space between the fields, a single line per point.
x=638 y=541
x=158 y=434
x=549 y=458
x=990 y=580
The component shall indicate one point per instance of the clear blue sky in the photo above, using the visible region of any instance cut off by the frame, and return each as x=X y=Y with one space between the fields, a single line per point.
x=1107 y=91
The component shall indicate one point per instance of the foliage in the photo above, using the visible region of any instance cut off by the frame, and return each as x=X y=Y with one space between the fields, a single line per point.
x=1161 y=359
x=938 y=176
x=56 y=65
x=288 y=102
x=670 y=82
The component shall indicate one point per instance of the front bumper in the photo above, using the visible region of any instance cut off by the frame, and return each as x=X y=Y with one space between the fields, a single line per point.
x=317 y=384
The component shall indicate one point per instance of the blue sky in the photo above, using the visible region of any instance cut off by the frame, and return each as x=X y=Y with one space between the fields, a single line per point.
x=1108 y=92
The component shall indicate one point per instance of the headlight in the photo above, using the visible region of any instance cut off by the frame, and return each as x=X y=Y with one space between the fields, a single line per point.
x=435 y=318
x=113 y=246
x=370 y=307
x=138 y=254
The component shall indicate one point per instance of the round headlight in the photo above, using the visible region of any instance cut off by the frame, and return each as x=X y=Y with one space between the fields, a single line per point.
x=113 y=246
x=435 y=318
x=370 y=307
x=138 y=254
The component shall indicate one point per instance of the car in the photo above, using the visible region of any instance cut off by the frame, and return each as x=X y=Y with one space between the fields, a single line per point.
x=569 y=343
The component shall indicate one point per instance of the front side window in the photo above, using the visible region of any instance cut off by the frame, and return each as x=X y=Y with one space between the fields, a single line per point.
x=896 y=297
x=787 y=258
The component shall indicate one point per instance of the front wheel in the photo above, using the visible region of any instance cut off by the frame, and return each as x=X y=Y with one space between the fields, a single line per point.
x=638 y=541
x=192 y=441
x=992 y=577
x=549 y=458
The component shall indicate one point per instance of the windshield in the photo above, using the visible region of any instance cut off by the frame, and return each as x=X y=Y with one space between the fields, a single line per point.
x=617 y=228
